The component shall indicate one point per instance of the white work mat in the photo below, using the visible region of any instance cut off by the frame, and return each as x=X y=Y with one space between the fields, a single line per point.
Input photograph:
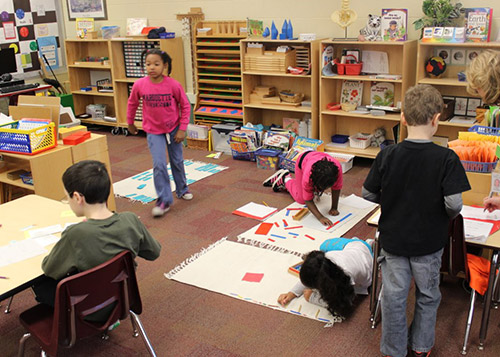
x=310 y=232
x=141 y=187
x=250 y=274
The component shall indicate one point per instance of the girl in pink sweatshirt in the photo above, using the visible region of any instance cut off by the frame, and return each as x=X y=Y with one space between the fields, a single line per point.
x=165 y=116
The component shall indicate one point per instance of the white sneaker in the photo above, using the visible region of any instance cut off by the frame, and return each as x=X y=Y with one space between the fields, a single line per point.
x=270 y=180
x=160 y=210
x=188 y=196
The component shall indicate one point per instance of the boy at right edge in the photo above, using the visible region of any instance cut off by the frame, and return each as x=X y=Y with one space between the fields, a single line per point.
x=419 y=186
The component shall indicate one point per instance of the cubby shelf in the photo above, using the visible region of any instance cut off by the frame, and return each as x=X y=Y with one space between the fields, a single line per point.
x=402 y=59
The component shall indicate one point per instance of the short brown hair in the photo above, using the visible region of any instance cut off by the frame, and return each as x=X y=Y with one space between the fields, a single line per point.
x=421 y=103
x=484 y=73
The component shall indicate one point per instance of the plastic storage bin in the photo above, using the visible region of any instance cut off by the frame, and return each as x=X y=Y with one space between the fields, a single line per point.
x=27 y=136
x=220 y=137
x=267 y=159
x=345 y=160
x=360 y=141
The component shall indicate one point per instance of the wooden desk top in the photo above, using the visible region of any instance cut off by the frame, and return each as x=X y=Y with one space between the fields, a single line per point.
x=17 y=215
x=35 y=89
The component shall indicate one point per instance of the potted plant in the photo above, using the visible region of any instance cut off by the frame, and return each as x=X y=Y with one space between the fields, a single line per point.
x=438 y=13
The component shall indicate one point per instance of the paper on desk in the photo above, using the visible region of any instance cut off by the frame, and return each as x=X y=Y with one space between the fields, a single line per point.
x=46 y=240
x=356 y=202
x=477 y=231
x=255 y=211
x=4 y=119
x=45 y=231
x=19 y=251
x=478 y=213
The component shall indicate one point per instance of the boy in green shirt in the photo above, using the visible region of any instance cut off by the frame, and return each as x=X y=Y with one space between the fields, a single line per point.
x=99 y=238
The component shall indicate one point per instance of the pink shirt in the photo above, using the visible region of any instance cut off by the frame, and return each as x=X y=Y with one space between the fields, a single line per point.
x=164 y=105
x=303 y=175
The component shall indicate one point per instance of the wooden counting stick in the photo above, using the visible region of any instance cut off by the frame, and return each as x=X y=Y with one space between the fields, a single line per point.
x=300 y=214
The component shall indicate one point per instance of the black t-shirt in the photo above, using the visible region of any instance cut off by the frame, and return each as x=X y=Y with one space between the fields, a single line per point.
x=413 y=179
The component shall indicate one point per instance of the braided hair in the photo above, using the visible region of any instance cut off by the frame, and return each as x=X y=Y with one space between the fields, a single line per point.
x=324 y=174
x=166 y=59
x=334 y=285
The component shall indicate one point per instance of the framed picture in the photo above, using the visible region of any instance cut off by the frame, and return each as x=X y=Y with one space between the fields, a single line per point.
x=460 y=106
x=472 y=104
x=87 y=8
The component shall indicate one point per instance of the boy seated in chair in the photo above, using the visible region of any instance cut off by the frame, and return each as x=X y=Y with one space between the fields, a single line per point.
x=99 y=238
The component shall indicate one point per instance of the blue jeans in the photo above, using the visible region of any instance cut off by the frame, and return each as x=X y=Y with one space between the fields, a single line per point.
x=158 y=145
x=397 y=273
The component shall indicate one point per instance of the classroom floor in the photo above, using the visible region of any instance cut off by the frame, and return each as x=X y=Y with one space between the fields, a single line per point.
x=183 y=320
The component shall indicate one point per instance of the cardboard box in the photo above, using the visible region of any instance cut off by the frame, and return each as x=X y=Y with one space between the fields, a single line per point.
x=54 y=103
x=480 y=184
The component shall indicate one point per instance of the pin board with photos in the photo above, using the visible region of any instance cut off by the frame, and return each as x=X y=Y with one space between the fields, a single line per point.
x=31 y=28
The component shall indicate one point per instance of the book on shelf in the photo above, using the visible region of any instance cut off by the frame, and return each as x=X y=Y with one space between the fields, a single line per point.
x=393 y=25
x=352 y=92
x=478 y=24
x=382 y=93
x=291 y=124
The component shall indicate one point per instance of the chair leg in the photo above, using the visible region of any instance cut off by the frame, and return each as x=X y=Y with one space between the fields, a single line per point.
x=376 y=314
x=22 y=341
x=137 y=321
x=134 y=327
x=7 y=309
x=469 y=321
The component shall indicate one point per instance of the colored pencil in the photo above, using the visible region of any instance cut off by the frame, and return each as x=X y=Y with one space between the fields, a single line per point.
x=293 y=209
x=286 y=224
x=265 y=203
x=308 y=236
x=294 y=227
x=287 y=213
x=277 y=236
x=293 y=234
x=4 y=277
x=272 y=240
x=317 y=313
x=343 y=218
x=276 y=223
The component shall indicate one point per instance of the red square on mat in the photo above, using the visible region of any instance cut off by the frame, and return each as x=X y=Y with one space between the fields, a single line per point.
x=253 y=277
x=264 y=228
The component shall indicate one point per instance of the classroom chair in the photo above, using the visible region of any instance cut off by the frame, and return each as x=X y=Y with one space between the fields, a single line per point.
x=77 y=297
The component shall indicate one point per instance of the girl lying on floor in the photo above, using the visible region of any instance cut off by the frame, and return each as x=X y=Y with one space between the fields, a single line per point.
x=332 y=276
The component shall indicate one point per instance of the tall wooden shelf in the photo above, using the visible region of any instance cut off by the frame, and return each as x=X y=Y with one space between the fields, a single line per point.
x=448 y=83
x=402 y=57
x=116 y=102
x=267 y=114
x=218 y=72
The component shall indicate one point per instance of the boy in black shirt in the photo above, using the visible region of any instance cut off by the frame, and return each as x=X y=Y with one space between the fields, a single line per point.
x=419 y=186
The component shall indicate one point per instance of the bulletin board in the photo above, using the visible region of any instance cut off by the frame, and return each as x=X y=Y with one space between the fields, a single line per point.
x=29 y=26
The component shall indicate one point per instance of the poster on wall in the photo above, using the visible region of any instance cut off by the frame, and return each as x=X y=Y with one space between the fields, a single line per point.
x=24 y=23
x=87 y=8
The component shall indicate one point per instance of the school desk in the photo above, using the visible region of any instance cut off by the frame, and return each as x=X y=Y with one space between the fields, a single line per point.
x=15 y=217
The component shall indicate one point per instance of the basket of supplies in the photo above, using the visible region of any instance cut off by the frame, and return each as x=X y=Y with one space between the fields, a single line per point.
x=27 y=136
x=352 y=67
x=485 y=130
x=197 y=144
x=360 y=140
x=245 y=155
x=288 y=96
x=267 y=158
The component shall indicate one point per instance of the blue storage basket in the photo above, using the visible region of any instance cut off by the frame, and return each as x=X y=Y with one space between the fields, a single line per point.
x=247 y=156
x=286 y=163
x=485 y=130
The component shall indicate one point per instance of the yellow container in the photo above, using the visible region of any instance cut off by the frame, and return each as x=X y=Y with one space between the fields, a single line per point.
x=27 y=136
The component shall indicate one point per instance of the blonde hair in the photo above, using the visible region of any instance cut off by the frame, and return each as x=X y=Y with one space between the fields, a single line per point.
x=421 y=103
x=484 y=73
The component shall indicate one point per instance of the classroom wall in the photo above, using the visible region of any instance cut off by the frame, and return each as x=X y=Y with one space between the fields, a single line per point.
x=311 y=17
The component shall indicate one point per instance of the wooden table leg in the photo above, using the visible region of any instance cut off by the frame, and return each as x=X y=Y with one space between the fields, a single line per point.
x=487 y=300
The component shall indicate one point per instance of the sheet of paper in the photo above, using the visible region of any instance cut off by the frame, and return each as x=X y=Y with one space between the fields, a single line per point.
x=46 y=240
x=375 y=62
x=478 y=213
x=45 y=231
x=476 y=230
x=256 y=210
x=357 y=202
x=19 y=251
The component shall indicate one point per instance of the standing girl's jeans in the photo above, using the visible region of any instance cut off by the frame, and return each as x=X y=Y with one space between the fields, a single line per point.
x=397 y=273
x=158 y=144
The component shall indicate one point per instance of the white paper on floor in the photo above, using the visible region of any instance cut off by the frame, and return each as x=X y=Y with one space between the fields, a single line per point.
x=308 y=233
x=141 y=187
x=250 y=274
